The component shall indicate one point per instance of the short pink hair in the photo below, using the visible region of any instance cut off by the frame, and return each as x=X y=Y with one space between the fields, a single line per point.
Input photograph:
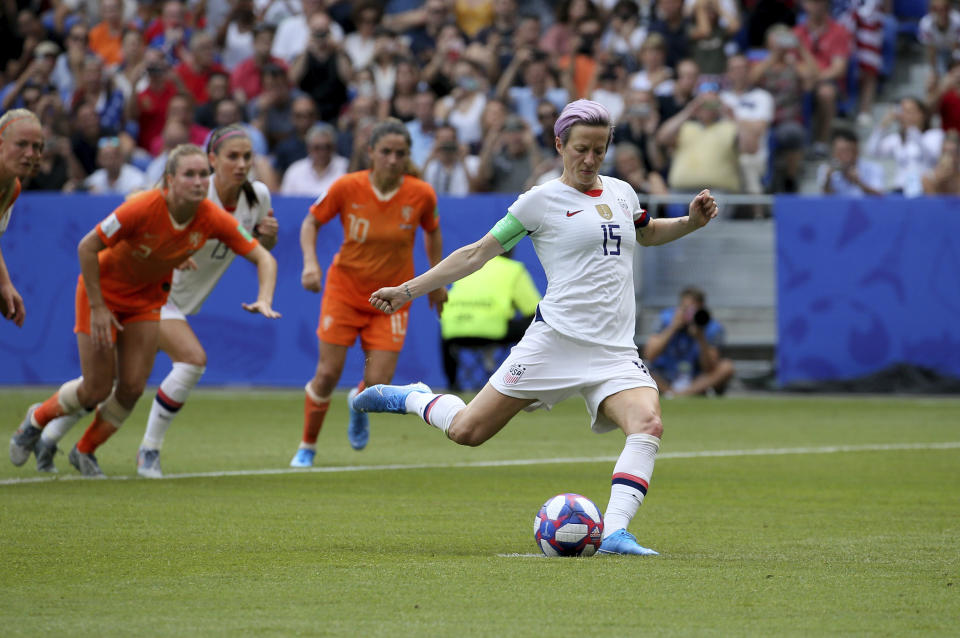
x=584 y=112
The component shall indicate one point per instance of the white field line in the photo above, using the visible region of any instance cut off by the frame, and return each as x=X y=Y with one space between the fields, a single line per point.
x=830 y=449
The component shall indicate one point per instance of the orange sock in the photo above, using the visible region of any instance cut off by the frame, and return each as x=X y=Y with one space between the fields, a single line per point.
x=361 y=386
x=313 y=415
x=48 y=411
x=98 y=432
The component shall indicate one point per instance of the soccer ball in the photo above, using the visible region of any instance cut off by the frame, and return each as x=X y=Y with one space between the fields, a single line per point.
x=568 y=525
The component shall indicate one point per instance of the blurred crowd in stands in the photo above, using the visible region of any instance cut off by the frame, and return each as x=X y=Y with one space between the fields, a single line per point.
x=735 y=95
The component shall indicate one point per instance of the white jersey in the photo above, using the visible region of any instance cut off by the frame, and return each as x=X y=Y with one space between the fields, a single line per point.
x=585 y=245
x=192 y=287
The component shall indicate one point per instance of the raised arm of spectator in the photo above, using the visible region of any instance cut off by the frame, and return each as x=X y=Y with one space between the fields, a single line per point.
x=730 y=19
x=509 y=75
x=667 y=135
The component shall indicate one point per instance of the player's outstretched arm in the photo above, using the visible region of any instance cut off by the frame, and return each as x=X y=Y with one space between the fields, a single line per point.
x=460 y=263
x=312 y=277
x=433 y=244
x=267 y=278
x=703 y=208
x=11 y=303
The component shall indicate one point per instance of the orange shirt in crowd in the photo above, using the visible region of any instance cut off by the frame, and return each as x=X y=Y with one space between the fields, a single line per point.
x=145 y=244
x=108 y=45
x=378 y=236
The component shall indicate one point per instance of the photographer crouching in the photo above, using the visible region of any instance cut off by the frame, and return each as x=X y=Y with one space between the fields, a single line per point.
x=684 y=356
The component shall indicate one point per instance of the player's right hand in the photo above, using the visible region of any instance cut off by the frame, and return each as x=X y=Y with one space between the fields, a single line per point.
x=389 y=300
x=101 y=322
x=312 y=278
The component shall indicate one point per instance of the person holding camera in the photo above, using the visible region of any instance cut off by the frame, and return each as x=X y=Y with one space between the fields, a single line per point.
x=450 y=168
x=846 y=173
x=684 y=355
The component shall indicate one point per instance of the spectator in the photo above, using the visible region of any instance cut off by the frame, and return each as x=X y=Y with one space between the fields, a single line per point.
x=180 y=108
x=228 y=111
x=106 y=37
x=423 y=127
x=114 y=175
x=383 y=66
x=218 y=89
x=149 y=109
x=36 y=74
x=580 y=67
x=684 y=354
x=939 y=33
x=359 y=45
x=440 y=72
x=499 y=36
x=638 y=126
x=473 y=16
x=67 y=70
x=322 y=71
x=293 y=148
x=53 y=173
x=170 y=33
x=944 y=179
x=86 y=136
x=424 y=39
x=913 y=145
x=195 y=70
x=402 y=104
x=753 y=112
x=130 y=76
x=29 y=33
x=464 y=106
x=94 y=87
x=846 y=173
x=688 y=79
x=608 y=90
x=675 y=29
x=245 y=77
x=704 y=143
x=654 y=74
x=787 y=72
x=625 y=34
x=944 y=98
x=558 y=38
x=482 y=312
x=509 y=158
x=628 y=165
x=763 y=14
x=314 y=174
x=271 y=111
x=866 y=19
x=450 y=168
x=538 y=85
x=713 y=26
x=174 y=134
x=546 y=117
x=830 y=44
x=294 y=33
x=235 y=36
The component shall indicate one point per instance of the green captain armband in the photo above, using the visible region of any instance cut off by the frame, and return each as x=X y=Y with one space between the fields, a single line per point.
x=508 y=231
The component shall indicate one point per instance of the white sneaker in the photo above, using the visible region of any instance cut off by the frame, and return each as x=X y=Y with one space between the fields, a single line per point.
x=148 y=463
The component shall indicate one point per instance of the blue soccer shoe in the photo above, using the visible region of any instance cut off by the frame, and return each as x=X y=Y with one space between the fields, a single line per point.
x=387 y=398
x=358 y=433
x=623 y=542
x=303 y=458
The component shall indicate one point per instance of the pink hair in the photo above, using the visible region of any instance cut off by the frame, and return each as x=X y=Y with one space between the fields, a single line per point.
x=584 y=112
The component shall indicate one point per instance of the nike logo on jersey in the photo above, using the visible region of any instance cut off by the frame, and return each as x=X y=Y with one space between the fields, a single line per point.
x=569 y=214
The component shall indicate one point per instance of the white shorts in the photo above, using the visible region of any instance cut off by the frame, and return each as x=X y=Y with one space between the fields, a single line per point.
x=549 y=367
x=170 y=310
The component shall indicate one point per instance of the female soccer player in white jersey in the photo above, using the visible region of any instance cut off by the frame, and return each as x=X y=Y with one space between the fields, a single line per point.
x=230 y=153
x=582 y=226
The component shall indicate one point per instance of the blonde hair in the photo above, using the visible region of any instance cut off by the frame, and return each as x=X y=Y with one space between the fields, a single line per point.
x=15 y=115
x=182 y=150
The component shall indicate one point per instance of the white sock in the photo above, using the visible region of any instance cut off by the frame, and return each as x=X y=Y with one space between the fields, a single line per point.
x=171 y=395
x=631 y=478
x=436 y=409
x=57 y=428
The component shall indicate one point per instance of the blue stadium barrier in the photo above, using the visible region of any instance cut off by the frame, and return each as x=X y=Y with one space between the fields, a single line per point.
x=863 y=284
x=243 y=349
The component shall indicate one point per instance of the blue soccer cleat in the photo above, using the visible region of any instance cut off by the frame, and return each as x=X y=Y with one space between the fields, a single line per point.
x=387 y=398
x=303 y=458
x=358 y=433
x=623 y=542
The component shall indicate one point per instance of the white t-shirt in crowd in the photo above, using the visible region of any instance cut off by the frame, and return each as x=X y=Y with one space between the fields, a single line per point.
x=302 y=179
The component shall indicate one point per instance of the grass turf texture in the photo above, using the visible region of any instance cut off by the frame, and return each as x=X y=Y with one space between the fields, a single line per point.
x=859 y=543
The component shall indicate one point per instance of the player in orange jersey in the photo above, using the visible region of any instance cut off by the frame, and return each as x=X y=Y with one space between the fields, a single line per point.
x=380 y=210
x=126 y=266
x=21 y=145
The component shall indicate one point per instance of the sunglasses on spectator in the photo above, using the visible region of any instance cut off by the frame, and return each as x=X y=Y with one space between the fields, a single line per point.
x=320 y=35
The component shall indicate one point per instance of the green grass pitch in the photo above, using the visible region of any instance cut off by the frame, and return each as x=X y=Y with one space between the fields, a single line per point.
x=774 y=516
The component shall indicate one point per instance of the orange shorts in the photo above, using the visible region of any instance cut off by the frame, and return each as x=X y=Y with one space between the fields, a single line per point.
x=82 y=324
x=341 y=323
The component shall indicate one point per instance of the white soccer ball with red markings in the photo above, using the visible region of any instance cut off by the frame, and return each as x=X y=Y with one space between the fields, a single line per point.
x=568 y=525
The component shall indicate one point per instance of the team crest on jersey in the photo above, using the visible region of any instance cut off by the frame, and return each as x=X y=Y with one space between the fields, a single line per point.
x=406 y=212
x=604 y=211
x=195 y=238
x=513 y=374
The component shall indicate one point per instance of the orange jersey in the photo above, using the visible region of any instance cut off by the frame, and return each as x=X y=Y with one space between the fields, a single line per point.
x=378 y=236
x=144 y=245
x=6 y=204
